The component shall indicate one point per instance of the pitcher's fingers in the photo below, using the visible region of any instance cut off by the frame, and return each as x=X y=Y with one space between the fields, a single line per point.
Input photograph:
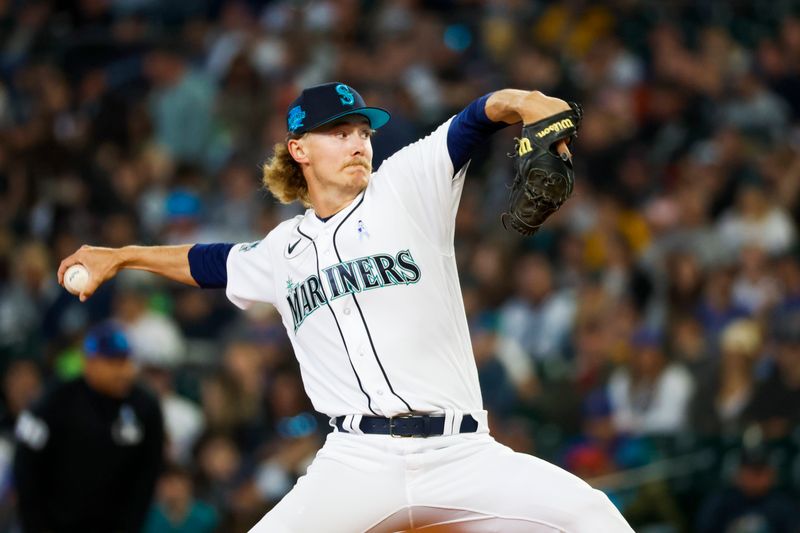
x=557 y=105
x=62 y=268
x=91 y=286
x=562 y=148
x=86 y=293
x=68 y=261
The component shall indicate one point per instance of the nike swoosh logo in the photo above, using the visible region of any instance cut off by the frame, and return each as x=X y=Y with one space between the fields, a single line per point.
x=293 y=246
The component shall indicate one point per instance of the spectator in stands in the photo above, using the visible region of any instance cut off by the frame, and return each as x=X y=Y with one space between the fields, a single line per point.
x=650 y=395
x=776 y=401
x=182 y=109
x=22 y=383
x=220 y=471
x=220 y=400
x=293 y=433
x=756 y=219
x=497 y=390
x=176 y=510
x=539 y=319
x=154 y=337
x=183 y=420
x=751 y=502
x=685 y=279
x=755 y=288
x=788 y=273
x=717 y=308
x=720 y=407
x=689 y=346
x=24 y=298
x=89 y=451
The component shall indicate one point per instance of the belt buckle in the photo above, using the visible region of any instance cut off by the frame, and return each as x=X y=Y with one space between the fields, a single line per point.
x=391 y=426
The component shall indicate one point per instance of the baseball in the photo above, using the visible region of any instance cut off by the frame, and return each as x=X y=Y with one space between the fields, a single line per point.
x=75 y=278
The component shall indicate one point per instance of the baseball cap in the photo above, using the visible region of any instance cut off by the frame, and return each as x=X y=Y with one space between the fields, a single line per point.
x=106 y=339
x=324 y=103
x=182 y=204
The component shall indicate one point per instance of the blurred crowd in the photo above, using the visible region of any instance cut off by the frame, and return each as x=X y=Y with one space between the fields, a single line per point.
x=647 y=339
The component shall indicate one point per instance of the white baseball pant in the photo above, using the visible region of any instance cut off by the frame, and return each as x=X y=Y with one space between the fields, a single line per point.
x=455 y=483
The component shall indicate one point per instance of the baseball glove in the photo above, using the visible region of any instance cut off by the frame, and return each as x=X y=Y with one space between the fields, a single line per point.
x=543 y=179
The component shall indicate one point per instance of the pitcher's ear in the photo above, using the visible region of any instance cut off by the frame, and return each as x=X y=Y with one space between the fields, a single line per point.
x=297 y=150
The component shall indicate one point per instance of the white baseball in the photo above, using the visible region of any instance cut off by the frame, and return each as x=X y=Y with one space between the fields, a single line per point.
x=76 y=278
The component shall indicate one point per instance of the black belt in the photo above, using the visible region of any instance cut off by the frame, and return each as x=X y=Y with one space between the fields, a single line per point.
x=408 y=425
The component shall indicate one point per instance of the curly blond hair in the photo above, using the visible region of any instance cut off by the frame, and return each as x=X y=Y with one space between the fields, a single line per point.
x=282 y=175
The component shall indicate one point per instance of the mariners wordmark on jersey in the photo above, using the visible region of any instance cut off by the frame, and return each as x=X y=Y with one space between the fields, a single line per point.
x=349 y=277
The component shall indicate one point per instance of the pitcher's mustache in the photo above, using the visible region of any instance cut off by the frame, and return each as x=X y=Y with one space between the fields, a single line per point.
x=359 y=162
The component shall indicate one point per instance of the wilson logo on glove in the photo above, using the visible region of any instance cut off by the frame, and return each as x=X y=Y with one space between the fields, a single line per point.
x=524 y=146
x=558 y=126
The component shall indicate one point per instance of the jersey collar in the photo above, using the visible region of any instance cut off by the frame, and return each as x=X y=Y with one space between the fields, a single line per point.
x=312 y=225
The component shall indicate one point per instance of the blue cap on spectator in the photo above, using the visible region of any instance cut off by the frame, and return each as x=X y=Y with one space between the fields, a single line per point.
x=182 y=204
x=325 y=103
x=646 y=338
x=106 y=339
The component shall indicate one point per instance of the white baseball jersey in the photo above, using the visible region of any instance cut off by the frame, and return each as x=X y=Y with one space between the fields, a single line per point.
x=372 y=303
x=370 y=297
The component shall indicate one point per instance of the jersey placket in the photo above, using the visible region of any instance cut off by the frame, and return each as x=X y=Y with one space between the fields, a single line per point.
x=353 y=322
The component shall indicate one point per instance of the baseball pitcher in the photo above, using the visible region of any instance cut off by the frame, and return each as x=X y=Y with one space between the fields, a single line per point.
x=366 y=284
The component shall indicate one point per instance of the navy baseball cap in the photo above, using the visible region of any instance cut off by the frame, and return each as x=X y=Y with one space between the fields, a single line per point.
x=106 y=339
x=324 y=103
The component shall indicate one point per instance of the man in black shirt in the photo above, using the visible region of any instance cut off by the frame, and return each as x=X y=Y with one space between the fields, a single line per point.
x=89 y=451
x=751 y=502
x=775 y=406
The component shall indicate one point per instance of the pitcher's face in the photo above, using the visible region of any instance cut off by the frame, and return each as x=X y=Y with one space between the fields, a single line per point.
x=338 y=155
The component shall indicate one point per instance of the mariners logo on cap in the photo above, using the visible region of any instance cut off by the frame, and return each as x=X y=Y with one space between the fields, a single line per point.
x=296 y=116
x=321 y=104
x=345 y=94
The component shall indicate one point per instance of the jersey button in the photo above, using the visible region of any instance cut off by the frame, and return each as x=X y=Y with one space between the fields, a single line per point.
x=347 y=310
x=380 y=392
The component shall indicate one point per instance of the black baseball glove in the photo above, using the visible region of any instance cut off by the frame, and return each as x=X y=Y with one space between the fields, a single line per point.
x=543 y=179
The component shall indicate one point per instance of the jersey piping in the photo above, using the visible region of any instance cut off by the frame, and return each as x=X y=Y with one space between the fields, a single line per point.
x=344 y=342
x=360 y=312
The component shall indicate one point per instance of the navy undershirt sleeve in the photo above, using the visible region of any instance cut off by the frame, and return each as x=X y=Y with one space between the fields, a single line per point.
x=468 y=129
x=208 y=264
